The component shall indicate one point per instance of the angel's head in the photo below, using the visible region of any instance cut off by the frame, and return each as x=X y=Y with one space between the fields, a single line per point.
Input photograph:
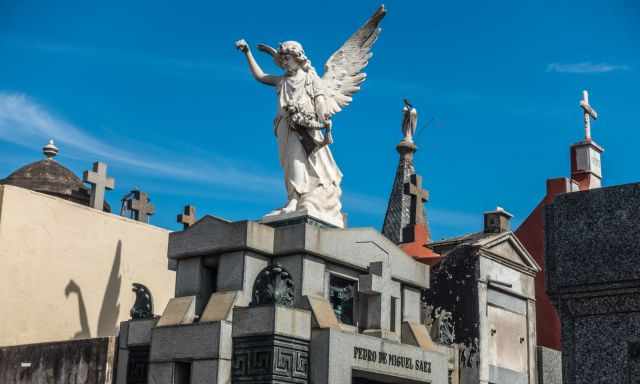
x=292 y=57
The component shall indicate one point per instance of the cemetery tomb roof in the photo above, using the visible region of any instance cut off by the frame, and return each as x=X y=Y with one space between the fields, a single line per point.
x=52 y=178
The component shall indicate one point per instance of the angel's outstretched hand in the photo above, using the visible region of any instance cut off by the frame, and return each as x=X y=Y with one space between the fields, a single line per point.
x=242 y=45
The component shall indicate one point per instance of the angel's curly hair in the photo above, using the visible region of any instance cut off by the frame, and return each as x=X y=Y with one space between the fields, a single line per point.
x=295 y=50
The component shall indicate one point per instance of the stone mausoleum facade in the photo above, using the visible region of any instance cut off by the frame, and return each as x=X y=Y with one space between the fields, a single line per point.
x=289 y=301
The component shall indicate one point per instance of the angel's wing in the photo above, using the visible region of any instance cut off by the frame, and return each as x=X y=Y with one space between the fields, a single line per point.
x=343 y=71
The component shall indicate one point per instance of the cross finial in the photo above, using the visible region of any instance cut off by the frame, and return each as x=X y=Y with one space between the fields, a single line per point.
x=50 y=150
x=588 y=113
x=99 y=182
x=188 y=217
x=140 y=206
x=418 y=196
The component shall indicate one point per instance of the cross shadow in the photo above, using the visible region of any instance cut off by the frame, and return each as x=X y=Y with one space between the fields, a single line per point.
x=110 y=309
x=84 y=332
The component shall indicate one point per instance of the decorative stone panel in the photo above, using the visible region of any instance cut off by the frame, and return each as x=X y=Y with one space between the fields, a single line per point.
x=270 y=359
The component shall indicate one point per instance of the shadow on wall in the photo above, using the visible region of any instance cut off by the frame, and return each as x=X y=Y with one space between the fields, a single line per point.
x=110 y=309
x=84 y=332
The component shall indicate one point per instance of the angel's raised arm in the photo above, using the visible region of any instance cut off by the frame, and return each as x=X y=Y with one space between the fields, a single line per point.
x=256 y=71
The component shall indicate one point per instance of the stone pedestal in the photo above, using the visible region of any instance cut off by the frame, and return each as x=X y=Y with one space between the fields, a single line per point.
x=271 y=345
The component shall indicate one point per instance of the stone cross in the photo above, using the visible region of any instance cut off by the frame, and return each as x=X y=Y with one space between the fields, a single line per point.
x=414 y=189
x=99 y=182
x=141 y=206
x=377 y=288
x=188 y=217
x=588 y=112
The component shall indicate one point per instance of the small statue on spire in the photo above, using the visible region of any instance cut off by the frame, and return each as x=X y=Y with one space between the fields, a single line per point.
x=409 y=121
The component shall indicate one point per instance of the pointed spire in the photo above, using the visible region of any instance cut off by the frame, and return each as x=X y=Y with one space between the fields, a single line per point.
x=405 y=222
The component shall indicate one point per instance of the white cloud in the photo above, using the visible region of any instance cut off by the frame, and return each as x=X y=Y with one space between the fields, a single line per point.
x=586 y=67
x=26 y=123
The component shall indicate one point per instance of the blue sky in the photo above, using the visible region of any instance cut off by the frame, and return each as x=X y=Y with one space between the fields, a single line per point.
x=157 y=90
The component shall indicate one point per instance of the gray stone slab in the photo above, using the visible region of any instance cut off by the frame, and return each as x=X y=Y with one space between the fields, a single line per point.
x=193 y=278
x=194 y=341
x=275 y=319
x=593 y=237
x=211 y=236
x=336 y=355
x=549 y=366
x=411 y=304
x=139 y=332
x=161 y=373
x=179 y=310
x=210 y=372
x=220 y=306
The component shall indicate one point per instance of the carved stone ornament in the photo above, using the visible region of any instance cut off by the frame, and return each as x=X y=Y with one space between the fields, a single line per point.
x=273 y=285
x=143 y=306
x=442 y=330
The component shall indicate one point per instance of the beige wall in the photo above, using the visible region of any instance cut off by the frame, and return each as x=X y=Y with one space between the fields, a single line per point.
x=66 y=269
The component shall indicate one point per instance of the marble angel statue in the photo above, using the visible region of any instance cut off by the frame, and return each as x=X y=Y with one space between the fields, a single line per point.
x=306 y=103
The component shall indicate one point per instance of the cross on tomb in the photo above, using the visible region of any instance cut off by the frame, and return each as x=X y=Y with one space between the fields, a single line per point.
x=376 y=287
x=99 y=181
x=188 y=217
x=141 y=206
x=418 y=197
x=588 y=112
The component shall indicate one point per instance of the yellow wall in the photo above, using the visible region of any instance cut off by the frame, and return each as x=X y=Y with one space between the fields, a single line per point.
x=66 y=269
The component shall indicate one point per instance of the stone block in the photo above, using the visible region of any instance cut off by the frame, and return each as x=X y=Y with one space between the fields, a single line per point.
x=370 y=284
x=210 y=372
x=414 y=333
x=274 y=319
x=211 y=235
x=193 y=278
x=383 y=334
x=123 y=335
x=192 y=342
x=549 y=366
x=121 y=368
x=139 y=332
x=179 y=310
x=313 y=272
x=595 y=235
x=220 y=306
x=323 y=314
x=411 y=304
x=161 y=373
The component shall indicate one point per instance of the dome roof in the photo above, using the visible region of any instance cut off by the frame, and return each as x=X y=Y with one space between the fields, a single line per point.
x=50 y=177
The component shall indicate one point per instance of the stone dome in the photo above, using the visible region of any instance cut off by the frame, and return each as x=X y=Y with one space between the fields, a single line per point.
x=50 y=177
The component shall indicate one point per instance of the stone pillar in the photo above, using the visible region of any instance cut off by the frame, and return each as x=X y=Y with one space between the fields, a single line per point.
x=271 y=345
x=592 y=251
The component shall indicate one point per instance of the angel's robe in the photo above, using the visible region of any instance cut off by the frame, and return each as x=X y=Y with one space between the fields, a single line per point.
x=315 y=179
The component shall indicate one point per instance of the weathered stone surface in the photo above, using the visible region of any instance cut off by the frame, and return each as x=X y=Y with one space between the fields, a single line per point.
x=179 y=310
x=593 y=237
x=549 y=366
x=274 y=319
x=211 y=235
x=416 y=334
x=323 y=314
x=592 y=252
x=139 y=332
x=194 y=341
x=220 y=306
x=336 y=355
x=89 y=361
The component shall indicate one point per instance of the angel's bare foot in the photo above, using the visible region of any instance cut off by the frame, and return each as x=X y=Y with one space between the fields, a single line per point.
x=291 y=206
